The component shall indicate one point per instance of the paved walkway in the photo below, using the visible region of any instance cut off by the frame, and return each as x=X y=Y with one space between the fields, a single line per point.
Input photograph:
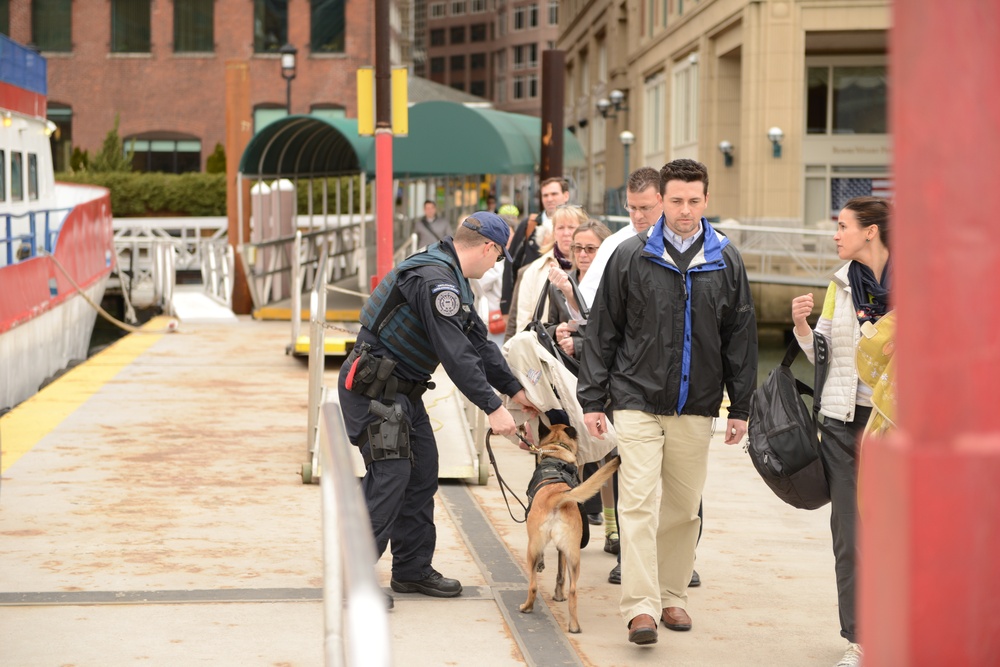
x=151 y=511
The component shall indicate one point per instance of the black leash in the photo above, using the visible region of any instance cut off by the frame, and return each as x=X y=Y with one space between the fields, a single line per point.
x=500 y=480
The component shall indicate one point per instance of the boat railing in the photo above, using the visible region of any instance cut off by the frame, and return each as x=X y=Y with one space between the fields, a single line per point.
x=24 y=234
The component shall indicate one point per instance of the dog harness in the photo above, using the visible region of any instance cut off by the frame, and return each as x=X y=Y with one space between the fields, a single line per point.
x=551 y=471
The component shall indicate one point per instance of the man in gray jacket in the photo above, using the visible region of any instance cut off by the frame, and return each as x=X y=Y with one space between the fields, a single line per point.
x=672 y=324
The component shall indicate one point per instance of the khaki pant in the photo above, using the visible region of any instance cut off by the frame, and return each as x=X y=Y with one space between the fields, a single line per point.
x=658 y=542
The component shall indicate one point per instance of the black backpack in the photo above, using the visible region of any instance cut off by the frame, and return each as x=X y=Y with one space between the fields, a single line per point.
x=782 y=433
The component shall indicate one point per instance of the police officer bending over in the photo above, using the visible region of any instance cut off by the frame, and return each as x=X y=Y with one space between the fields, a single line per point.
x=422 y=314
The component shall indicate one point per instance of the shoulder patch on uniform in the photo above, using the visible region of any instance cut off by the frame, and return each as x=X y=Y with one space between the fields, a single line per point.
x=447 y=303
x=445 y=286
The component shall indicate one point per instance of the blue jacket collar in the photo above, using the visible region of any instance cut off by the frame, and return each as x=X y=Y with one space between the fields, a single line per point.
x=714 y=241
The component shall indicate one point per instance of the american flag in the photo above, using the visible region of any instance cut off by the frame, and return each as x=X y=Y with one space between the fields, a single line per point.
x=844 y=189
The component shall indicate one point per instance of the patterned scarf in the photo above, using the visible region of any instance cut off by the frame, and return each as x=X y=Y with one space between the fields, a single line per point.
x=564 y=263
x=870 y=296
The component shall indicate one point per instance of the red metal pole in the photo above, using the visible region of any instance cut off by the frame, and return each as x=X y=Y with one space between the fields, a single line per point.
x=384 y=204
x=930 y=494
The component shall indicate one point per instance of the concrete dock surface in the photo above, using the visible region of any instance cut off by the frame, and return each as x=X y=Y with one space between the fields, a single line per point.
x=152 y=512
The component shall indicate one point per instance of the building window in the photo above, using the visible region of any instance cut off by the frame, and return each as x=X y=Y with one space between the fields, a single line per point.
x=477 y=6
x=458 y=63
x=553 y=12
x=478 y=88
x=3 y=175
x=437 y=65
x=525 y=86
x=327 y=111
x=653 y=114
x=457 y=34
x=438 y=10
x=520 y=18
x=501 y=22
x=533 y=15
x=828 y=188
x=5 y=30
x=477 y=32
x=51 y=25
x=458 y=85
x=130 y=26
x=437 y=37
x=477 y=61
x=501 y=88
x=270 y=25
x=16 y=176
x=62 y=138
x=684 y=136
x=458 y=8
x=327 y=26
x=526 y=56
x=266 y=113
x=846 y=100
x=193 y=26
x=168 y=152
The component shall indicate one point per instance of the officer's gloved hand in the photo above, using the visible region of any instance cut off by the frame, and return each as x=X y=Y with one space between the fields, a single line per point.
x=501 y=422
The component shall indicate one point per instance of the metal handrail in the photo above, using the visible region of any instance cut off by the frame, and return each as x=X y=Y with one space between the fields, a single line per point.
x=356 y=624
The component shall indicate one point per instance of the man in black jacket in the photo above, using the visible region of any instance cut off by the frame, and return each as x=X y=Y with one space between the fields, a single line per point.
x=672 y=324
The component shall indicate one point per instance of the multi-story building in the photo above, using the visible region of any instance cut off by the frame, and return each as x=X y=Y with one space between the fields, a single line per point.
x=490 y=48
x=160 y=66
x=794 y=92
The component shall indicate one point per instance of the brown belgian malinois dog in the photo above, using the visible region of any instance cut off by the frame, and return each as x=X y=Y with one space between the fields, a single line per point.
x=555 y=515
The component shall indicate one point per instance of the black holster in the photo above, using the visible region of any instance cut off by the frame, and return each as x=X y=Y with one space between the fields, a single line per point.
x=388 y=438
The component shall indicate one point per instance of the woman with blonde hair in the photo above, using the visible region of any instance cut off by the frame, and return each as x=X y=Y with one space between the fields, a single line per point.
x=532 y=278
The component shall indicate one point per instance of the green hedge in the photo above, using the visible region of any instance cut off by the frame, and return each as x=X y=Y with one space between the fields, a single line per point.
x=135 y=194
x=139 y=194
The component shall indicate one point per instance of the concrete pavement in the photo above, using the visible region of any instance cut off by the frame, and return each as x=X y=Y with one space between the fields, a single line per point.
x=151 y=511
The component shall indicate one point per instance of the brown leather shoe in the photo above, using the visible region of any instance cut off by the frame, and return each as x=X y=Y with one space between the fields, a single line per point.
x=642 y=630
x=675 y=618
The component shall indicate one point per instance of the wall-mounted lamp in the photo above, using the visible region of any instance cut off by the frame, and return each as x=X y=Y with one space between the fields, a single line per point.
x=8 y=119
x=615 y=99
x=51 y=128
x=726 y=148
x=775 y=135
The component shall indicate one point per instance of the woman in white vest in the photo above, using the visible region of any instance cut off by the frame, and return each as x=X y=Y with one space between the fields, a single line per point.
x=858 y=296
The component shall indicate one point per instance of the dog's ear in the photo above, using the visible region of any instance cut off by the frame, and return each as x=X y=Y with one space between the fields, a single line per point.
x=570 y=432
x=543 y=430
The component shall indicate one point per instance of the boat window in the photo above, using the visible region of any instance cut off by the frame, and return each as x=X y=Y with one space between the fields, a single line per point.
x=16 y=177
x=32 y=176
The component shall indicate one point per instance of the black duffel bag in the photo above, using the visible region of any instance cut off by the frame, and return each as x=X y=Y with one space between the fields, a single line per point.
x=782 y=432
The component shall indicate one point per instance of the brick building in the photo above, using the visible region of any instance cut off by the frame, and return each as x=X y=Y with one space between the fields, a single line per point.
x=488 y=48
x=160 y=65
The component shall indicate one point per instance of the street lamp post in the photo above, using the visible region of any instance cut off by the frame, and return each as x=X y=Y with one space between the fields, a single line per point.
x=627 y=139
x=288 y=53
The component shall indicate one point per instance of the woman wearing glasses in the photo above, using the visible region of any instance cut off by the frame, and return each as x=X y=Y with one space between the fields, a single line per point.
x=564 y=312
x=532 y=278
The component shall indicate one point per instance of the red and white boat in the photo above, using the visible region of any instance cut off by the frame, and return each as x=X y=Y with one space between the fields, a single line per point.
x=56 y=240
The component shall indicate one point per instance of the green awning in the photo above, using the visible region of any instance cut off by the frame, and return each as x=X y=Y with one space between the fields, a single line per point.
x=307 y=147
x=452 y=139
x=445 y=139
